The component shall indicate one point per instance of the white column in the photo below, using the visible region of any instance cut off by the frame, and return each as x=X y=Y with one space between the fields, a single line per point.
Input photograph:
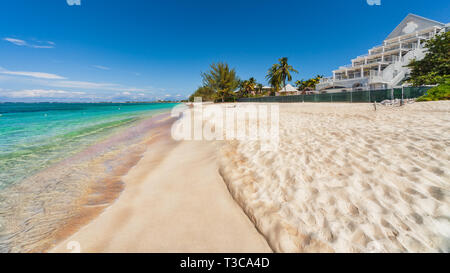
x=334 y=76
x=362 y=71
x=379 y=69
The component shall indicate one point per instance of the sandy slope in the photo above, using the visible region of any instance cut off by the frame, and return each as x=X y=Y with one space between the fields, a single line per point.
x=174 y=201
x=349 y=179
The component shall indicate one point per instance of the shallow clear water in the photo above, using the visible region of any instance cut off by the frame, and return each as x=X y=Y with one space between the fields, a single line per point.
x=62 y=164
x=33 y=136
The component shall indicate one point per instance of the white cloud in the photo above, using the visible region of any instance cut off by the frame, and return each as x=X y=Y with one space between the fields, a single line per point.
x=74 y=2
x=86 y=85
x=41 y=93
x=41 y=46
x=126 y=93
x=19 y=42
x=39 y=75
x=16 y=41
x=102 y=67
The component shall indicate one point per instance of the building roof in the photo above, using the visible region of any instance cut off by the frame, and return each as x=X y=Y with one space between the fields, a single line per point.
x=289 y=88
x=413 y=23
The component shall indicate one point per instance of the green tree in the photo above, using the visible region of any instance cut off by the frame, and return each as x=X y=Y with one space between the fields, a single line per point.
x=222 y=80
x=440 y=92
x=274 y=79
x=205 y=92
x=308 y=84
x=301 y=85
x=284 y=70
x=248 y=86
x=259 y=88
x=435 y=67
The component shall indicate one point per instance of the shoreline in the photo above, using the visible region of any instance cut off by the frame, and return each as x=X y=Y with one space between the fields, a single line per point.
x=174 y=200
x=345 y=179
x=55 y=202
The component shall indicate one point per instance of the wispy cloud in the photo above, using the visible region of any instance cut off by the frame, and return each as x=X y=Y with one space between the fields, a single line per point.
x=101 y=67
x=39 y=75
x=18 y=42
x=86 y=85
x=42 y=93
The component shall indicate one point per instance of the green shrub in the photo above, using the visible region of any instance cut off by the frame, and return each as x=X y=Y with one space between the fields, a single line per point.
x=440 y=92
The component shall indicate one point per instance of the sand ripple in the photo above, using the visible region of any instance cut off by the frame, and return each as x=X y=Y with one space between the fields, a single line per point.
x=349 y=179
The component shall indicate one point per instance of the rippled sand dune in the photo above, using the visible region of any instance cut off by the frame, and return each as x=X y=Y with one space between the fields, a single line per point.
x=347 y=178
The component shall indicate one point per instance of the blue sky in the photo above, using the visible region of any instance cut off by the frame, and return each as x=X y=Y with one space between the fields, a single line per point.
x=144 y=50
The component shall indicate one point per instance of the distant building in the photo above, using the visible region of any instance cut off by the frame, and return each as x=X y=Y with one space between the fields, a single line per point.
x=288 y=90
x=384 y=65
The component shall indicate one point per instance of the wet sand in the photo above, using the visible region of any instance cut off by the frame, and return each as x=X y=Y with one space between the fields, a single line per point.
x=174 y=200
x=345 y=178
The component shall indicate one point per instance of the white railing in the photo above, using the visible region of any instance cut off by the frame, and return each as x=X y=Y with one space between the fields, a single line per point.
x=326 y=80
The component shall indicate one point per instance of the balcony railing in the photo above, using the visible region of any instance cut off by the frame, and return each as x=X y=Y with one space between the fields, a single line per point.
x=326 y=80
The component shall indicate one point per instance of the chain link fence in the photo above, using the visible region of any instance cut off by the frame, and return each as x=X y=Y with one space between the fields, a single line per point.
x=357 y=96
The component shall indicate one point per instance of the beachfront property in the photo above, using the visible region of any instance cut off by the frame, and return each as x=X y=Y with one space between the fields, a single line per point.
x=288 y=90
x=384 y=65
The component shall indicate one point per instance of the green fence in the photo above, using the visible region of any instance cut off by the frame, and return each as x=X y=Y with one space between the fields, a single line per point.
x=358 y=96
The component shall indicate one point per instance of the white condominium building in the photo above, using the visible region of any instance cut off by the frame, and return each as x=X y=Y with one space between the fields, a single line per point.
x=384 y=66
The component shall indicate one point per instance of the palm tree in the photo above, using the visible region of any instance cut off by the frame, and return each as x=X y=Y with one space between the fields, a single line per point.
x=222 y=80
x=248 y=86
x=274 y=78
x=259 y=88
x=284 y=70
x=300 y=85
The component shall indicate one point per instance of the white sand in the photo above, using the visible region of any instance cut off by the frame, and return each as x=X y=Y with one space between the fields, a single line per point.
x=345 y=179
x=349 y=179
x=174 y=201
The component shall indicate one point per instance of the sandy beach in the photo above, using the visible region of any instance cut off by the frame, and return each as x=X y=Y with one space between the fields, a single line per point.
x=174 y=201
x=346 y=178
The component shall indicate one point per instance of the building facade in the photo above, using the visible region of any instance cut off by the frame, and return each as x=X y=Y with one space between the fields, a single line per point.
x=384 y=65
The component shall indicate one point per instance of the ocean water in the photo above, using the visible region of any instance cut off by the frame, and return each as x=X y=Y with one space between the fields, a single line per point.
x=61 y=161
x=33 y=136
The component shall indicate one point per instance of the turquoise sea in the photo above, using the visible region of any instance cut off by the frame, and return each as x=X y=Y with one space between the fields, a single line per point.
x=35 y=135
x=49 y=159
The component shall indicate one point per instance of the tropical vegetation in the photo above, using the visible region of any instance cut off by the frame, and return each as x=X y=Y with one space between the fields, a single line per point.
x=279 y=73
x=435 y=67
x=247 y=87
x=308 y=85
x=219 y=84
x=440 y=92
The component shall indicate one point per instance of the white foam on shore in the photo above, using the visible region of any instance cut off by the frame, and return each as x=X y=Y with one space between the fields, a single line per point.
x=348 y=179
